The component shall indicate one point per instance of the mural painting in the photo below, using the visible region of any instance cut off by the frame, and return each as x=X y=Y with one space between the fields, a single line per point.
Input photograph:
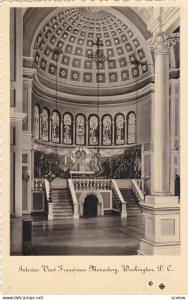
x=121 y=166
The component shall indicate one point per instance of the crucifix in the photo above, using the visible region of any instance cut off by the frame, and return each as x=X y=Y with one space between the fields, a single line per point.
x=97 y=57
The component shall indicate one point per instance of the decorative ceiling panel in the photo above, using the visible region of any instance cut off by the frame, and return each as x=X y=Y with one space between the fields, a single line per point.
x=73 y=33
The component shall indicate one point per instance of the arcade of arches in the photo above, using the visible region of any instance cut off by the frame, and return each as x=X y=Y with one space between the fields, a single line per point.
x=95 y=106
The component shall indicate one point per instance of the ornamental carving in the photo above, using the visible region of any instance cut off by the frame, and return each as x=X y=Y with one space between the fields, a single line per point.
x=161 y=42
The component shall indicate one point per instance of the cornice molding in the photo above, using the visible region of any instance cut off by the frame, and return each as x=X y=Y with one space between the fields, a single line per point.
x=17 y=116
x=80 y=96
x=29 y=73
x=168 y=19
x=44 y=93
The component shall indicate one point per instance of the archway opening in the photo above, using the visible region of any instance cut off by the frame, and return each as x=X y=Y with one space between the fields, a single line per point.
x=90 y=206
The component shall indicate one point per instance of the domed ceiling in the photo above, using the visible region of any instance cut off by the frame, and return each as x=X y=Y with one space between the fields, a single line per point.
x=64 y=49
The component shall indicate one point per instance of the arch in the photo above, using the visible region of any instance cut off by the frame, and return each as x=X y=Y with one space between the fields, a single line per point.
x=119 y=129
x=80 y=129
x=93 y=130
x=45 y=124
x=37 y=125
x=100 y=211
x=107 y=131
x=131 y=127
x=67 y=137
x=90 y=206
x=55 y=126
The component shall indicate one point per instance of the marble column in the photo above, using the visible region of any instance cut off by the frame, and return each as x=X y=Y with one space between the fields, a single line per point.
x=27 y=147
x=16 y=120
x=161 y=210
x=160 y=44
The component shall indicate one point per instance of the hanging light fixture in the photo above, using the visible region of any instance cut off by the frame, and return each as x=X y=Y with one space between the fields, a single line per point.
x=98 y=58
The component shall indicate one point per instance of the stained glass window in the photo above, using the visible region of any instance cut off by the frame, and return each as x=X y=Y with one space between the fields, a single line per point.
x=131 y=128
x=37 y=122
x=45 y=125
x=80 y=130
x=55 y=127
x=67 y=128
x=106 y=130
x=93 y=130
x=119 y=129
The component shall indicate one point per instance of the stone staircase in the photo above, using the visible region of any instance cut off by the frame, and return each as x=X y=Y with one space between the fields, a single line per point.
x=133 y=208
x=62 y=207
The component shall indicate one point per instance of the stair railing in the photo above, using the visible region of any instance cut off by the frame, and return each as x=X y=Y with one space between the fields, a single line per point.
x=118 y=199
x=49 y=203
x=136 y=186
x=47 y=188
x=74 y=200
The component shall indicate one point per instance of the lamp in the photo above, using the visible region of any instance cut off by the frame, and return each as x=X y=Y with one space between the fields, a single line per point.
x=97 y=57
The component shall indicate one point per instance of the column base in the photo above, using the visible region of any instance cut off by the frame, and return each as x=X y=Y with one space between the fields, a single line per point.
x=149 y=248
x=16 y=236
x=162 y=226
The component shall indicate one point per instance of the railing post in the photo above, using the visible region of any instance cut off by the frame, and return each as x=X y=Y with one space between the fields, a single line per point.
x=123 y=210
x=50 y=211
x=76 y=211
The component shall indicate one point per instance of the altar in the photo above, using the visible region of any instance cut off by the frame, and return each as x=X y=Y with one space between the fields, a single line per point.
x=81 y=174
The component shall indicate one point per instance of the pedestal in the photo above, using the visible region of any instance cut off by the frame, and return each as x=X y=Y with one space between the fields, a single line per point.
x=50 y=211
x=123 y=210
x=162 y=226
x=76 y=215
x=16 y=236
x=27 y=237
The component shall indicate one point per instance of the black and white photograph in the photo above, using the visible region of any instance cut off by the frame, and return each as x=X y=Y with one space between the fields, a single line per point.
x=95 y=131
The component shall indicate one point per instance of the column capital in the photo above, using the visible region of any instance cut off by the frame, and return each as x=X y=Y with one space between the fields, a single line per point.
x=161 y=42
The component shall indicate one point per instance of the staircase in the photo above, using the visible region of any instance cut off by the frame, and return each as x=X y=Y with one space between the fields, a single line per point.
x=62 y=207
x=133 y=208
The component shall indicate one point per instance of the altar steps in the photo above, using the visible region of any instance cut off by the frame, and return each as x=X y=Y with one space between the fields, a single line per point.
x=62 y=206
x=133 y=208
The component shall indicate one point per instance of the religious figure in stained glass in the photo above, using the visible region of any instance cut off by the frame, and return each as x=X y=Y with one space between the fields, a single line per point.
x=93 y=130
x=37 y=122
x=80 y=130
x=119 y=130
x=45 y=125
x=131 y=128
x=55 y=127
x=107 y=130
x=67 y=129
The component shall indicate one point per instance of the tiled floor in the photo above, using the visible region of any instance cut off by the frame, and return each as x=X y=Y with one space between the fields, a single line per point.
x=109 y=235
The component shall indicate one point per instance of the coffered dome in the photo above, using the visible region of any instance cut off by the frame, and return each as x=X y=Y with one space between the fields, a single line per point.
x=64 y=46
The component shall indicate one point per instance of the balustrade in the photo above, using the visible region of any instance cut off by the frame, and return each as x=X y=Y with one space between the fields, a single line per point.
x=92 y=184
x=38 y=184
x=115 y=199
x=118 y=200
x=137 y=187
